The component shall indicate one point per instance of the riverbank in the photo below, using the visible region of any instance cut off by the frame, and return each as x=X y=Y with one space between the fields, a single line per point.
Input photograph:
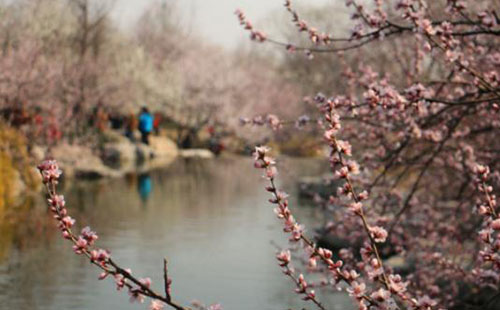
x=115 y=157
x=192 y=204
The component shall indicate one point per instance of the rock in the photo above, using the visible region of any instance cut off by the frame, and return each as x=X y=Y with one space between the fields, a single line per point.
x=125 y=154
x=163 y=147
x=113 y=136
x=118 y=157
x=119 y=154
x=332 y=242
x=38 y=153
x=196 y=153
x=80 y=161
x=484 y=298
x=324 y=186
x=400 y=265
x=144 y=153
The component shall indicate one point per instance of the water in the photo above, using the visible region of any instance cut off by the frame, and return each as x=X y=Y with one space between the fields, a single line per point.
x=209 y=218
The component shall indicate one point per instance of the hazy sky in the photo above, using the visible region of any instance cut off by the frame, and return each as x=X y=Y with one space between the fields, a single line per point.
x=214 y=19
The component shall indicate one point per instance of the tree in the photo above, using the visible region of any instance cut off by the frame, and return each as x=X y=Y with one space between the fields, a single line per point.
x=422 y=111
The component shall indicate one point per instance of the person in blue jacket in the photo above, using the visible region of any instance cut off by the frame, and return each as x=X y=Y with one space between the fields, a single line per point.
x=145 y=124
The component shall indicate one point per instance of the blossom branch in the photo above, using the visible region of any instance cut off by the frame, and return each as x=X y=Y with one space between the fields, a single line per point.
x=83 y=244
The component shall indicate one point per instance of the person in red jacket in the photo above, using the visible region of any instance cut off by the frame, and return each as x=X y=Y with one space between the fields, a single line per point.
x=156 y=123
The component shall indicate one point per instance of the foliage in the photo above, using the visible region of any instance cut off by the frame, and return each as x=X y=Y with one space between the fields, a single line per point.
x=66 y=68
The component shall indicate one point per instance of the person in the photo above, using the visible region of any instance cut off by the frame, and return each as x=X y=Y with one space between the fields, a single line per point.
x=214 y=143
x=100 y=117
x=145 y=125
x=131 y=126
x=116 y=120
x=156 y=123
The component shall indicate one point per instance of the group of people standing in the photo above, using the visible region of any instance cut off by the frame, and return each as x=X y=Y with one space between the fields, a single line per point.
x=146 y=123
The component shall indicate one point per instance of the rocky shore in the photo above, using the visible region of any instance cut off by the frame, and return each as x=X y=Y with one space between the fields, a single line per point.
x=116 y=157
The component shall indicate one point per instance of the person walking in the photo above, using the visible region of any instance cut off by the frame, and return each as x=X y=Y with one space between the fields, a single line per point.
x=145 y=125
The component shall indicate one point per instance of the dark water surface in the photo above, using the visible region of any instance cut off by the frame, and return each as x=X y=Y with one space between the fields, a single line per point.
x=210 y=218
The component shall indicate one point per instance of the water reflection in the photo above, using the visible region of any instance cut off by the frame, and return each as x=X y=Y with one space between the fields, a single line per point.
x=144 y=186
x=209 y=218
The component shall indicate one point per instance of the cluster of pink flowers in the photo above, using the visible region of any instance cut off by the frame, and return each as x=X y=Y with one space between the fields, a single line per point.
x=315 y=37
x=489 y=235
x=271 y=120
x=379 y=298
x=254 y=34
x=274 y=122
x=424 y=113
x=424 y=109
x=84 y=244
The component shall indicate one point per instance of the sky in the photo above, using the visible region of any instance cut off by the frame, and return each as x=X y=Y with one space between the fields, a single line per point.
x=214 y=19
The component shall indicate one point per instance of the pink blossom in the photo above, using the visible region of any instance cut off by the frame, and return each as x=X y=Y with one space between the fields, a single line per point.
x=381 y=295
x=425 y=302
x=481 y=170
x=495 y=224
x=103 y=275
x=353 y=166
x=378 y=233
x=425 y=25
x=325 y=253
x=284 y=258
x=146 y=282
x=119 y=281
x=67 y=222
x=261 y=151
x=81 y=245
x=330 y=134
x=363 y=195
x=57 y=201
x=297 y=231
x=485 y=235
x=373 y=272
x=302 y=283
x=357 y=289
x=309 y=295
x=274 y=121
x=344 y=147
x=356 y=207
x=136 y=296
x=50 y=171
x=100 y=256
x=312 y=262
x=215 y=307
x=156 y=305
x=66 y=234
x=396 y=284
x=487 y=19
x=89 y=235
x=342 y=173
x=290 y=223
x=271 y=172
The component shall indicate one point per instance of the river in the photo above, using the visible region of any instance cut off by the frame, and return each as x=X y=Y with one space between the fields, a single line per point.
x=209 y=218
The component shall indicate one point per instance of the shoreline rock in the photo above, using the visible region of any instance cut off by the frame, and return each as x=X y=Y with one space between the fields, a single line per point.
x=196 y=153
x=324 y=186
x=116 y=159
